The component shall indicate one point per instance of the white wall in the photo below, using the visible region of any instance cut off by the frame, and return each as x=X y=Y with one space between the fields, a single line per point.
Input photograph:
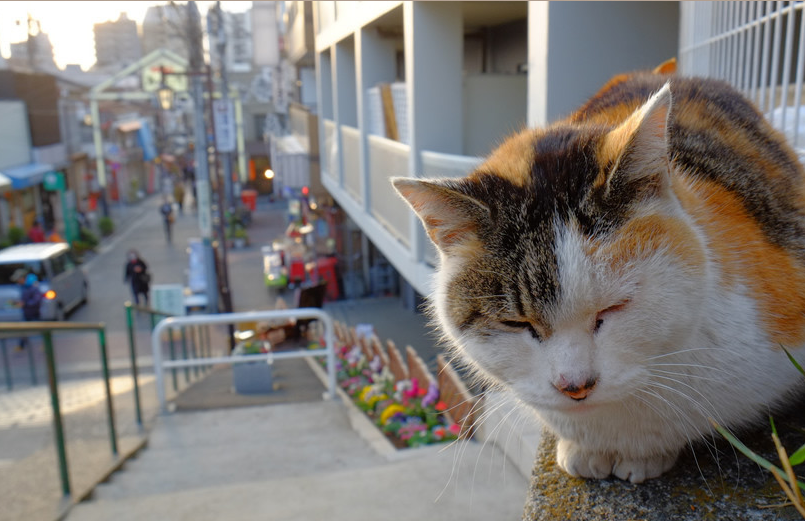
x=15 y=137
x=575 y=47
x=601 y=39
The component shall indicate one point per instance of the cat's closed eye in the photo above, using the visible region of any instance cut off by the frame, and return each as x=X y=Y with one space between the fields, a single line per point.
x=601 y=315
x=520 y=325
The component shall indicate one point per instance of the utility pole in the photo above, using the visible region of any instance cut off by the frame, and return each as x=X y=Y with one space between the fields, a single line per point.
x=201 y=155
x=227 y=156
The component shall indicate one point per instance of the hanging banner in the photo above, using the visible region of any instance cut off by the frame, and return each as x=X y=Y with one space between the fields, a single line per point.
x=225 y=128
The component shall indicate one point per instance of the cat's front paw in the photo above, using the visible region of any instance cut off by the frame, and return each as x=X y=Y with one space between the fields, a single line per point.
x=579 y=462
x=582 y=463
x=640 y=469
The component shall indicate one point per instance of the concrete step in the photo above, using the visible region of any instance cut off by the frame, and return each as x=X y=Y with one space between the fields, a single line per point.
x=466 y=482
x=192 y=450
x=298 y=462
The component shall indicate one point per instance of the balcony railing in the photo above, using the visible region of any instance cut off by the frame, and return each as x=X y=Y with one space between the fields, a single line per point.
x=350 y=142
x=388 y=159
x=437 y=164
x=329 y=159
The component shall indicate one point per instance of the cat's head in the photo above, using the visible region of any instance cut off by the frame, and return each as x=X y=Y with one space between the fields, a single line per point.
x=566 y=259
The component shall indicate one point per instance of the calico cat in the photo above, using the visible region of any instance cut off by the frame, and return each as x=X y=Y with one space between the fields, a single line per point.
x=630 y=272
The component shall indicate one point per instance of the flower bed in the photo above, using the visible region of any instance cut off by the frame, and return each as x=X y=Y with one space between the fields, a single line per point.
x=403 y=402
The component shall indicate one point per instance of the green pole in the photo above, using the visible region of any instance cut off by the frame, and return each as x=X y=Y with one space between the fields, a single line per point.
x=184 y=354
x=173 y=357
x=58 y=428
x=31 y=362
x=110 y=411
x=133 y=356
x=6 y=365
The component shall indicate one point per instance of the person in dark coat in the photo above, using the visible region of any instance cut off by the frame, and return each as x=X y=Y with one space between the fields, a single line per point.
x=30 y=299
x=137 y=276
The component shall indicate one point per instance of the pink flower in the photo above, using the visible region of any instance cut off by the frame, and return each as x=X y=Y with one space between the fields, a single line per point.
x=454 y=429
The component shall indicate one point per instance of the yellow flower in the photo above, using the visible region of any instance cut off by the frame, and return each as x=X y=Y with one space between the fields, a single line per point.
x=364 y=392
x=390 y=411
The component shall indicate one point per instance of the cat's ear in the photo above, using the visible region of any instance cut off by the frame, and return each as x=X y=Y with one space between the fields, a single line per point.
x=638 y=148
x=451 y=218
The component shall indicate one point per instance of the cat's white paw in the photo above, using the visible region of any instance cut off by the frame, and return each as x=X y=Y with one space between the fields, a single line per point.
x=579 y=462
x=640 y=469
x=582 y=463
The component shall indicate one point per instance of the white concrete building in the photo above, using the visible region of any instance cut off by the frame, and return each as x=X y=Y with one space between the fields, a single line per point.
x=463 y=76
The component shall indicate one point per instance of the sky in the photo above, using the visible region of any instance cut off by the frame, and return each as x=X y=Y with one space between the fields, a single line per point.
x=69 y=24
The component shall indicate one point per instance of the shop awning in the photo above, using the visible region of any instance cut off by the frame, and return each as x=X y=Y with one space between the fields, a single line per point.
x=27 y=175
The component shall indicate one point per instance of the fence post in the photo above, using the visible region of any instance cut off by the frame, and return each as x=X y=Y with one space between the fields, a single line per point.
x=133 y=356
x=31 y=362
x=6 y=366
x=173 y=357
x=58 y=428
x=110 y=411
x=194 y=351
x=184 y=354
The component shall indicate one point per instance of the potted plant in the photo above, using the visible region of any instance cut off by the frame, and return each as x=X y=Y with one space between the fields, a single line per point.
x=238 y=236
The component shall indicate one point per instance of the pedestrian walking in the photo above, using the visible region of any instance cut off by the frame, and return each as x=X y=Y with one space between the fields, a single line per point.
x=136 y=274
x=31 y=299
x=178 y=195
x=167 y=217
x=36 y=233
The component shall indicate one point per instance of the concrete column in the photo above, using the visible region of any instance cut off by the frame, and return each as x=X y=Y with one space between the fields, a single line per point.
x=434 y=56
x=375 y=63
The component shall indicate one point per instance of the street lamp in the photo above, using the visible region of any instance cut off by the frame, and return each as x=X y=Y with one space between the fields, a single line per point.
x=165 y=95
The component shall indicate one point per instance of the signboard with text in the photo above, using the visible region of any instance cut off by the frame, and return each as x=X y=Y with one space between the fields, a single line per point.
x=225 y=128
x=168 y=298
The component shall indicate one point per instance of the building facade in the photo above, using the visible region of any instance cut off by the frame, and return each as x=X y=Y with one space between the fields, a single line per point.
x=459 y=77
x=163 y=27
x=117 y=44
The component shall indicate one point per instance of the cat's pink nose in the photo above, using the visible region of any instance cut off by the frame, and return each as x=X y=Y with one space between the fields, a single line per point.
x=575 y=390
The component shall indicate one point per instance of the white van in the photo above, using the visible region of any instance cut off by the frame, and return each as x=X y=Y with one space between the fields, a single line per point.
x=62 y=282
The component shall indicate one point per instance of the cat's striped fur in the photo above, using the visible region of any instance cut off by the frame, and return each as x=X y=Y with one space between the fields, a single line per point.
x=631 y=271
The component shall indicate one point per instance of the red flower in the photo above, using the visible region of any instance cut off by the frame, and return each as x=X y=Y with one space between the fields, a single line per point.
x=441 y=406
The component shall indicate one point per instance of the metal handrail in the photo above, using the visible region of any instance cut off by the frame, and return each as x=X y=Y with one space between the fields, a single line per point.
x=133 y=351
x=46 y=329
x=232 y=318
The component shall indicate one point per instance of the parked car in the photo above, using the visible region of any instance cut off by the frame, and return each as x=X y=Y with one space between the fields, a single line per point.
x=61 y=279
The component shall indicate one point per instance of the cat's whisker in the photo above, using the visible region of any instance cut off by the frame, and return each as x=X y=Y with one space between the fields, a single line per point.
x=690 y=350
x=460 y=449
x=681 y=416
x=685 y=375
x=697 y=366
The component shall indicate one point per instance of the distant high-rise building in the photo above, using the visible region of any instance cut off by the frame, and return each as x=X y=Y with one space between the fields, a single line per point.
x=35 y=54
x=117 y=43
x=165 y=27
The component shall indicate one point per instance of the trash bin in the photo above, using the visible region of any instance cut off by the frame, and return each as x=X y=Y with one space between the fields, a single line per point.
x=249 y=198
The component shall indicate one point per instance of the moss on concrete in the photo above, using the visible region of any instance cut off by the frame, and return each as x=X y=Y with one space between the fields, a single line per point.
x=711 y=482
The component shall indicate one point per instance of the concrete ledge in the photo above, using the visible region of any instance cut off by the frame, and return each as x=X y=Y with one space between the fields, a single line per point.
x=714 y=482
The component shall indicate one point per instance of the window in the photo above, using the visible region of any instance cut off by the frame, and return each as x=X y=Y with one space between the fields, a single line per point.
x=8 y=270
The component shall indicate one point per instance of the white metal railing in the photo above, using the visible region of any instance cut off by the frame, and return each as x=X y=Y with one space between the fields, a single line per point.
x=387 y=159
x=329 y=159
x=438 y=164
x=232 y=318
x=350 y=141
x=758 y=47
